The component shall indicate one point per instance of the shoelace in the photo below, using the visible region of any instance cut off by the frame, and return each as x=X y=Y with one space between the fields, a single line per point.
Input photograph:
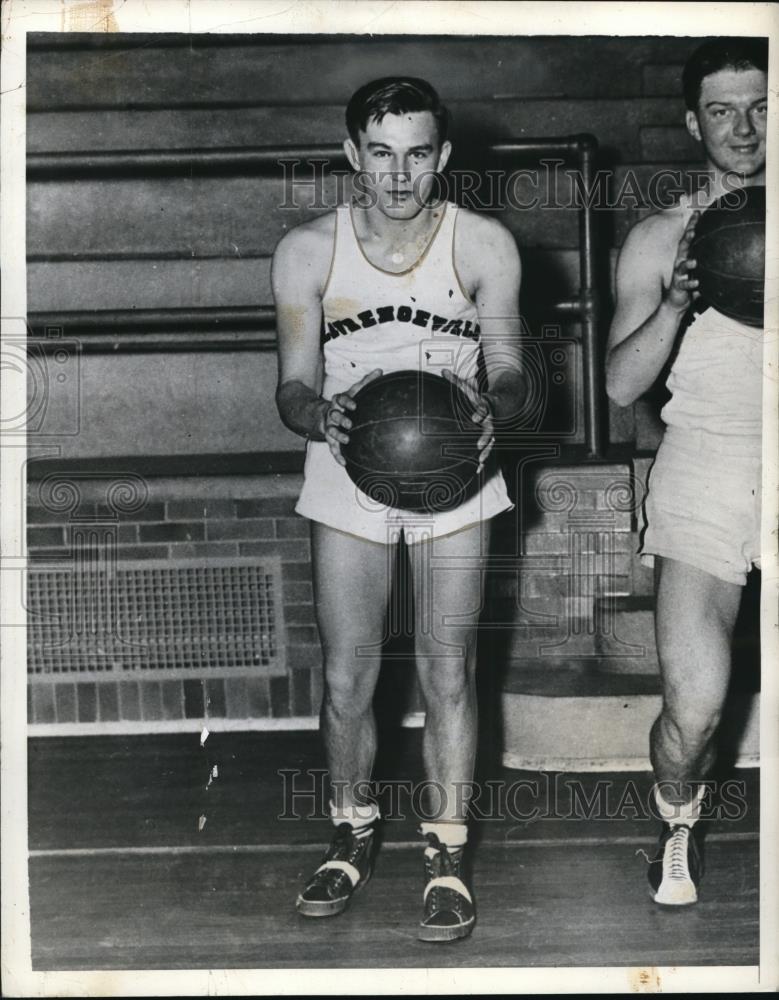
x=676 y=857
x=343 y=847
x=447 y=865
x=343 y=843
x=446 y=862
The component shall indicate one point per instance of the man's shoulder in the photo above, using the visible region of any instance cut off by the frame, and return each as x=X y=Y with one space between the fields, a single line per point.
x=481 y=227
x=661 y=230
x=482 y=236
x=310 y=237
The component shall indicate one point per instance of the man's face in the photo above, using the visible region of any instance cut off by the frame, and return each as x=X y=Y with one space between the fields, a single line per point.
x=731 y=120
x=399 y=157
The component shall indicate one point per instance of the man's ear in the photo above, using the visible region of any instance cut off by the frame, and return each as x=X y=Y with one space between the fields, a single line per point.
x=693 y=126
x=443 y=156
x=351 y=154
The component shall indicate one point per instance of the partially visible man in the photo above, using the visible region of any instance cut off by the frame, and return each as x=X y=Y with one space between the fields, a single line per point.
x=397 y=279
x=703 y=502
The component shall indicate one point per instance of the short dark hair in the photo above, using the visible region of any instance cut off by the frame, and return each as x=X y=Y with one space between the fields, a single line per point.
x=394 y=95
x=717 y=54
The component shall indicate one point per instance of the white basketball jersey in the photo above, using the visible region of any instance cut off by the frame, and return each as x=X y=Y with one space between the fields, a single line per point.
x=716 y=378
x=716 y=381
x=420 y=318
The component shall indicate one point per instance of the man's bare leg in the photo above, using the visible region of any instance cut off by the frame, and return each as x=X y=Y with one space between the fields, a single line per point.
x=352 y=578
x=448 y=587
x=694 y=621
x=696 y=613
x=448 y=593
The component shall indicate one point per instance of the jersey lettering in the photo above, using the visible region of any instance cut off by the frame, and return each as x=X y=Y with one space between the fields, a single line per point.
x=402 y=314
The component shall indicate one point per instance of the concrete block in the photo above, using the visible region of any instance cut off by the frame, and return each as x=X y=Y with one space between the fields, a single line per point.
x=87 y=701
x=604 y=733
x=626 y=639
x=328 y=71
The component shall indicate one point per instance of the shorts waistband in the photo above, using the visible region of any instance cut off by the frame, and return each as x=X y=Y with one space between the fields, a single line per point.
x=701 y=442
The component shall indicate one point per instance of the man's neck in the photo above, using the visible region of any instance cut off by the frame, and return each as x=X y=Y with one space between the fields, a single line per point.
x=718 y=183
x=721 y=181
x=386 y=231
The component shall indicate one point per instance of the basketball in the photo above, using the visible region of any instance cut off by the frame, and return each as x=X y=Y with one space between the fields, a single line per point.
x=729 y=247
x=412 y=443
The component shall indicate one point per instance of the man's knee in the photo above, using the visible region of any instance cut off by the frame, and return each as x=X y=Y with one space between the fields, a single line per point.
x=446 y=677
x=347 y=689
x=690 y=724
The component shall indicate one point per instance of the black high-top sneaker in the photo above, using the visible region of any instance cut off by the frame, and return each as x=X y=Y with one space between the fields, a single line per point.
x=346 y=867
x=449 y=912
x=676 y=869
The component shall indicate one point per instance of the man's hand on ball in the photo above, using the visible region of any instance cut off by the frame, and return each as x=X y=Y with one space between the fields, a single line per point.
x=683 y=287
x=482 y=414
x=336 y=416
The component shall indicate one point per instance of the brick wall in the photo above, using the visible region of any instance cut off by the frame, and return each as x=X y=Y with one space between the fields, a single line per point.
x=568 y=545
x=562 y=561
x=178 y=524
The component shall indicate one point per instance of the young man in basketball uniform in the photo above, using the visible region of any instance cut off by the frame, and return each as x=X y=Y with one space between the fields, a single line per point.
x=703 y=503
x=395 y=279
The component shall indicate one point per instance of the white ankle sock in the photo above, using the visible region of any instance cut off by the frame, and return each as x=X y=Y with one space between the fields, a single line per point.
x=686 y=814
x=360 y=818
x=453 y=835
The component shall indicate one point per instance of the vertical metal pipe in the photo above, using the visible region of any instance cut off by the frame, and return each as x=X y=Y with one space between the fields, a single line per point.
x=591 y=360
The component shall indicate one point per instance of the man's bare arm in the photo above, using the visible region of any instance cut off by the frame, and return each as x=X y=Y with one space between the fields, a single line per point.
x=493 y=251
x=297 y=275
x=649 y=311
x=301 y=264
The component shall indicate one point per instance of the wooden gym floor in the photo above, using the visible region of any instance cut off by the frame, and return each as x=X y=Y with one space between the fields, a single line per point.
x=121 y=876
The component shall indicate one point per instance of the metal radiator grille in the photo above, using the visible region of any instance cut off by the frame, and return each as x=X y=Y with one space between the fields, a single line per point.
x=153 y=617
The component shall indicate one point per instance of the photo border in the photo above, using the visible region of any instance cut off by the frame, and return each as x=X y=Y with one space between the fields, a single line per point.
x=414 y=17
